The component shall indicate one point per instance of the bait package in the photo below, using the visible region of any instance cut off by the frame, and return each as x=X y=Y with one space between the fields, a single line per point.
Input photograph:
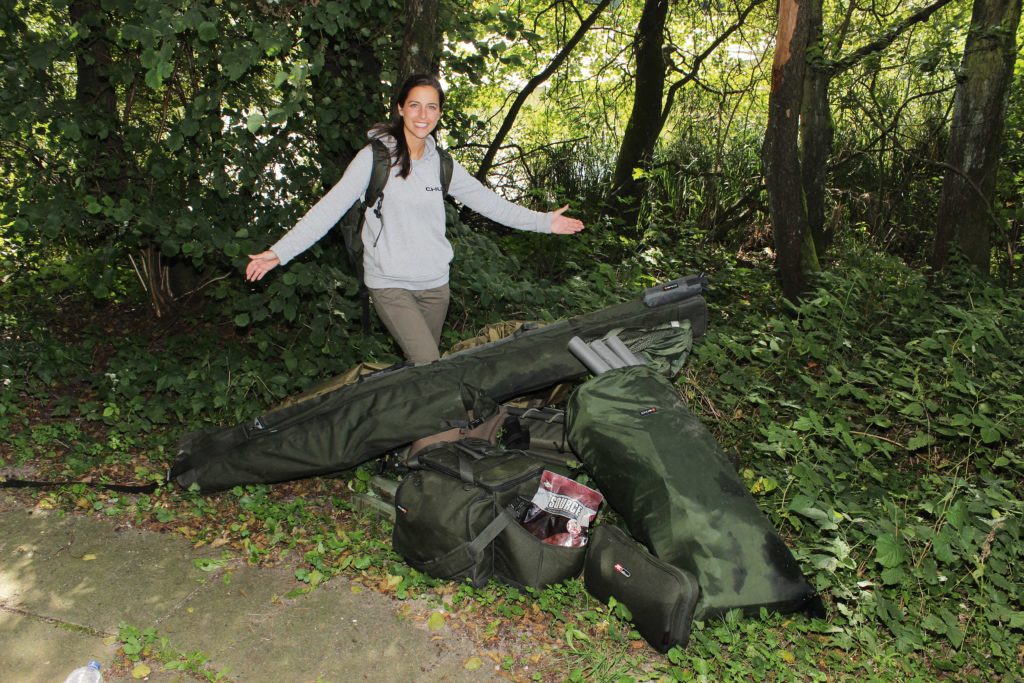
x=561 y=511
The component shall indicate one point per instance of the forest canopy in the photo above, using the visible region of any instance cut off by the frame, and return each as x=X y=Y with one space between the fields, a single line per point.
x=155 y=145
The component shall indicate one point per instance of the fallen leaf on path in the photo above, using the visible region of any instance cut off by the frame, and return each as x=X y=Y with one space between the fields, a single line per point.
x=436 y=621
x=141 y=671
x=473 y=663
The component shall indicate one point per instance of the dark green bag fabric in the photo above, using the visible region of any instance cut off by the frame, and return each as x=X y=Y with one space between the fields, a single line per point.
x=340 y=429
x=454 y=518
x=660 y=596
x=661 y=470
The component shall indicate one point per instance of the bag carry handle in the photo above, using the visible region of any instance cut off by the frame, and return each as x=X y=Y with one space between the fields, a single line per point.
x=454 y=562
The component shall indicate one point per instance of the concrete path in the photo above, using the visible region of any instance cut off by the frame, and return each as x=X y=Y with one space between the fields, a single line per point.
x=66 y=582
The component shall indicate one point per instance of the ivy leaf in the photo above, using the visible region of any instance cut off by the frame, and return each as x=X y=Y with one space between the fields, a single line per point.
x=889 y=551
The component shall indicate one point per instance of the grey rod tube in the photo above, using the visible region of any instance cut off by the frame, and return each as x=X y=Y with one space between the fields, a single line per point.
x=622 y=351
x=586 y=355
x=606 y=354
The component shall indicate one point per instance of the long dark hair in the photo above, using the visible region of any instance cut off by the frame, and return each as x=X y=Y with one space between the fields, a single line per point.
x=396 y=129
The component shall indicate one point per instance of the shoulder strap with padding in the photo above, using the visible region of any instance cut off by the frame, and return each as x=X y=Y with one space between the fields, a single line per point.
x=380 y=172
x=446 y=169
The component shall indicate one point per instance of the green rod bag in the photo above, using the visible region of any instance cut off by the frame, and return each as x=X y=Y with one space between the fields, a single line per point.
x=662 y=471
x=340 y=429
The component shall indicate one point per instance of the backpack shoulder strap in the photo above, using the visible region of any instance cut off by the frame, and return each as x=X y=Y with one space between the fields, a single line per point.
x=446 y=169
x=380 y=172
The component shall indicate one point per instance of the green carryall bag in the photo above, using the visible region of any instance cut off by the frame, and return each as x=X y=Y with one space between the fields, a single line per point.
x=455 y=518
x=340 y=429
x=661 y=470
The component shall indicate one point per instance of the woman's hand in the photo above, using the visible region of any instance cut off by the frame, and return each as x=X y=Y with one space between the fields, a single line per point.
x=563 y=225
x=260 y=265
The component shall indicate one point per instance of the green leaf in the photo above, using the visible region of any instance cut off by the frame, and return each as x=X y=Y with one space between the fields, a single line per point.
x=942 y=550
x=990 y=434
x=893 y=576
x=242 y=319
x=920 y=440
x=436 y=621
x=153 y=79
x=208 y=564
x=254 y=122
x=207 y=31
x=933 y=623
x=889 y=551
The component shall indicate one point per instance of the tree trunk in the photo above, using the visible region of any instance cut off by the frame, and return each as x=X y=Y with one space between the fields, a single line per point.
x=644 y=124
x=779 y=153
x=965 y=215
x=816 y=133
x=510 y=117
x=420 y=42
x=96 y=100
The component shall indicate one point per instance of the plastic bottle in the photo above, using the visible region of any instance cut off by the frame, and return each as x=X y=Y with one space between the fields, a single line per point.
x=90 y=673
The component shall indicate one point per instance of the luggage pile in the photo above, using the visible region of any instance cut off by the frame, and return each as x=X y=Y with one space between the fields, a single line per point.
x=490 y=488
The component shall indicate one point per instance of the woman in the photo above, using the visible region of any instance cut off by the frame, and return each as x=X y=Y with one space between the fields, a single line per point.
x=406 y=254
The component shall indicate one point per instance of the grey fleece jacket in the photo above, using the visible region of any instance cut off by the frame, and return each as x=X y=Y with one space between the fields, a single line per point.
x=408 y=249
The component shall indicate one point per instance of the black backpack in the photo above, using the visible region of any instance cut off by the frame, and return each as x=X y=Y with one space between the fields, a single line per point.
x=351 y=223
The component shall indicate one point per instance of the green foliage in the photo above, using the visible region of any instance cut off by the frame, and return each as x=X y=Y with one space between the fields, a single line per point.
x=879 y=420
x=228 y=119
x=886 y=416
x=138 y=646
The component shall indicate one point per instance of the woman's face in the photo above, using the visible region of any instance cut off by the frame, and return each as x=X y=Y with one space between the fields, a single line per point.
x=421 y=111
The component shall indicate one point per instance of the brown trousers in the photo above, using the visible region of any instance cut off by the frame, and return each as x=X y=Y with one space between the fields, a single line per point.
x=414 y=318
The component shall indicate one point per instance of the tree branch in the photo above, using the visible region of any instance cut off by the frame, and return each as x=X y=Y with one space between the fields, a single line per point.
x=699 y=59
x=532 y=85
x=885 y=40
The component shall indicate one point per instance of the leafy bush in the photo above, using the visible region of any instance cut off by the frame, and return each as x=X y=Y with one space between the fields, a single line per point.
x=880 y=424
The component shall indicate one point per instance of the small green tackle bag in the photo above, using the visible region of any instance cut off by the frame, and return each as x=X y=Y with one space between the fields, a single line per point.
x=660 y=597
x=456 y=518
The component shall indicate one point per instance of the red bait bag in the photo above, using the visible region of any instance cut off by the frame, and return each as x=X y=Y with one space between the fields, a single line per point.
x=561 y=511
